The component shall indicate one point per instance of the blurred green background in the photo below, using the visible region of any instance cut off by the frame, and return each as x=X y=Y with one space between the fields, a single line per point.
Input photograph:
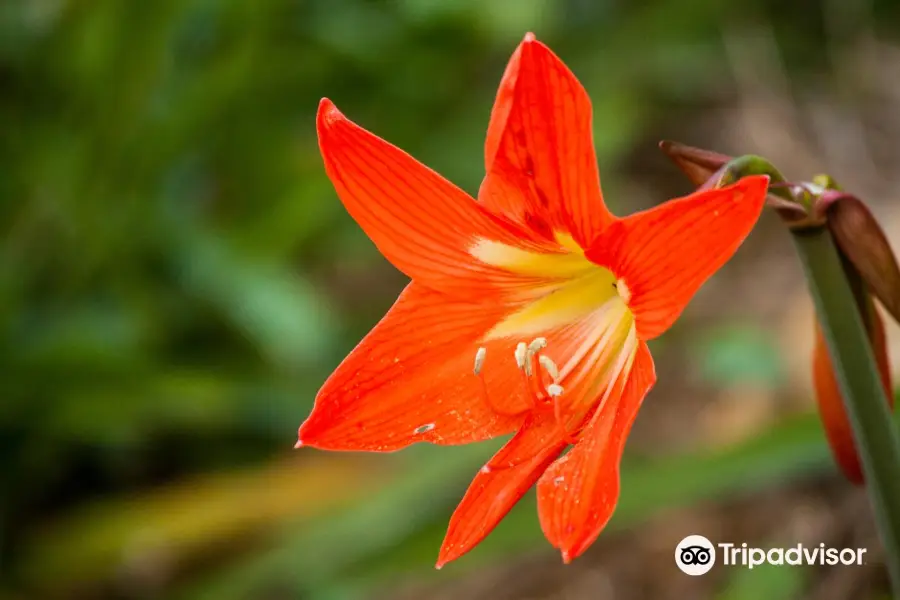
x=177 y=278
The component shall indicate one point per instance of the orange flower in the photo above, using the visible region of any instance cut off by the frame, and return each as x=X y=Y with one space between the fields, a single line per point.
x=828 y=394
x=550 y=296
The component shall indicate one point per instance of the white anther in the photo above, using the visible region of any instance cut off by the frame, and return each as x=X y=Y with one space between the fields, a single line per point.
x=554 y=390
x=549 y=366
x=537 y=344
x=521 y=350
x=623 y=290
x=479 y=359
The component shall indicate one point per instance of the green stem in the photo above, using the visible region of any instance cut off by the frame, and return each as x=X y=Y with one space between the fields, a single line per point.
x=793 y=203
x=750 y=164
x=876 y=436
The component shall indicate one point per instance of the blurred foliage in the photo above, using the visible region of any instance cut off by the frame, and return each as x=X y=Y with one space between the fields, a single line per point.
x=739 y=354
x=767 y=581
x=177 y=276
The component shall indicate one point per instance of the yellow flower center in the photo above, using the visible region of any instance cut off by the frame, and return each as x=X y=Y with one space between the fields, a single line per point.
x=573 y=295
x=568 y=287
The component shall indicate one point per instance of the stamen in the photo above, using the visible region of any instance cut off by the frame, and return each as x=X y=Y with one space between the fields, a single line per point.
x=526 y=378
x=555 y=391
x=537 y=344
x=550 y=367
x=525 y=354
x=521 y=350
x=480 y=355
x=479 y=359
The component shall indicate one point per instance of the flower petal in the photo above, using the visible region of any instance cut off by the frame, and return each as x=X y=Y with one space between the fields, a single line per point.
x=499 y=485
x=419 y=221
x=539 y=431
x=578 y=493
x=411 y=380
x=663 y=255
x=508 y=204
x=541 y=166
x=831 y=404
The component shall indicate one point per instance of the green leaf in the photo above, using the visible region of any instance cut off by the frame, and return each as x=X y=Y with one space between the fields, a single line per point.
x=282 y=313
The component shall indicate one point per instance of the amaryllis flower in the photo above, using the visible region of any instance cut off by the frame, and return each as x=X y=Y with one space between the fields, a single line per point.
x=529 y=309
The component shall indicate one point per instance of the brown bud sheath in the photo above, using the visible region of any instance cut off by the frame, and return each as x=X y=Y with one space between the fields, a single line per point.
x=698 y=164
x=862 y=240
x=828 y=395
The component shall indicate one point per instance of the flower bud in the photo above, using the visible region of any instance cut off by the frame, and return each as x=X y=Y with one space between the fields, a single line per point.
x=828 y=394
x=708 y=170
x=699 y=165
x=862 y=241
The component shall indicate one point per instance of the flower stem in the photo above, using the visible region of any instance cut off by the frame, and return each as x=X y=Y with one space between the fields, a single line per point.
x=875 y=434
x=750 y=164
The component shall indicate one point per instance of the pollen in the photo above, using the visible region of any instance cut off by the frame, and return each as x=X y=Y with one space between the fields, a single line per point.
x=554 y=390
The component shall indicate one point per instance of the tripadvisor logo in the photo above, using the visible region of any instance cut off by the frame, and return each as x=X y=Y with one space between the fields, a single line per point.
x=696 y=555
x=795 y=555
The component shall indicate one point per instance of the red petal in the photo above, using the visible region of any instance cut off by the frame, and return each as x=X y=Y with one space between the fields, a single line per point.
x=666 y=253
x=411 y=380
x=496 y=489
x=578 y=493
x=502 y=106
x=421 y=222
x=831 y=405
x=539 y=432
x=541 y=166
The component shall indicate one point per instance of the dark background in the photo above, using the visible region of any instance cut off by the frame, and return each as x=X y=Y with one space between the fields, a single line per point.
x=177 y=278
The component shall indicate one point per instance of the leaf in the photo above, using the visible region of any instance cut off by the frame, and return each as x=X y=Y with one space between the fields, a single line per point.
x=283 y=314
